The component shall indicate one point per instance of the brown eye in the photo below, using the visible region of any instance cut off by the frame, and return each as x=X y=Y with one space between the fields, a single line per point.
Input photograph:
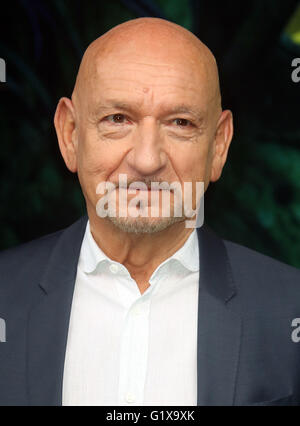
x=116 y=118
x=183 y=122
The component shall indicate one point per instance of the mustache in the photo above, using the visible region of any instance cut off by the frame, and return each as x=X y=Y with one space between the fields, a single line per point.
x=136 y=184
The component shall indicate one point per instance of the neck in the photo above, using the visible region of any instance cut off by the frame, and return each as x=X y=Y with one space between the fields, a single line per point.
x=140 y=253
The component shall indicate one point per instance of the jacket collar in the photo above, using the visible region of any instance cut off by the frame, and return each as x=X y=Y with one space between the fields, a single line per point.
x=216 y=275
x=214 y=263
x=62 y=264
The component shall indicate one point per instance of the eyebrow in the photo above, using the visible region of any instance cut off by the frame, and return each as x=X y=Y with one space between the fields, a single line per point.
x=125 y=106
x=185 y=109
x=114 y=105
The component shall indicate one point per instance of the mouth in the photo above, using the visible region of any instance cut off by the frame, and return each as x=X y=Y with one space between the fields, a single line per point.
x=145 y=190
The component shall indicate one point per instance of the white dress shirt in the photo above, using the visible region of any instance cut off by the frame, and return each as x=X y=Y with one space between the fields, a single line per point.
x=125 y=348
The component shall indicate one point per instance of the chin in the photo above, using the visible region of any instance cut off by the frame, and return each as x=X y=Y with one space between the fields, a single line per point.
x=144 y=225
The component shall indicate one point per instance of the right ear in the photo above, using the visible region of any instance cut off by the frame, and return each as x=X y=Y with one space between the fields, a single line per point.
x=65 y=126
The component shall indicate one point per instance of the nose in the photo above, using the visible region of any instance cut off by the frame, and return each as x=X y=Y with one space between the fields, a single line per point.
x=147 y=156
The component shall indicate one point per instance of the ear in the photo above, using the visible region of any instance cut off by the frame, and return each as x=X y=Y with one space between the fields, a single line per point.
x=65 y=126
x=222 y=141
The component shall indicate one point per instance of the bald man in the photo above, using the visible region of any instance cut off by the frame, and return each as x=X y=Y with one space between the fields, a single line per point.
x=138 y=302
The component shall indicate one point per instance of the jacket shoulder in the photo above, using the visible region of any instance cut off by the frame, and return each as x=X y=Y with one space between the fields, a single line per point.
x=25 y=264
x=27 y=258
x=252 y=260
x=260 y=277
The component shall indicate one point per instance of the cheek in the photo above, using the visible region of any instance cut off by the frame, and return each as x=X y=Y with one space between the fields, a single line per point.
x=94 y=166
x=190 y=162
x=95 y=156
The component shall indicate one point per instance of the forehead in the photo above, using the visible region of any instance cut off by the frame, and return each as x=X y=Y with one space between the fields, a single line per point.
x=149 y=79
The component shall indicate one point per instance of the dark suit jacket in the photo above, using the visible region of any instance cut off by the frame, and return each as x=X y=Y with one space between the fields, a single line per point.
x=246 y=305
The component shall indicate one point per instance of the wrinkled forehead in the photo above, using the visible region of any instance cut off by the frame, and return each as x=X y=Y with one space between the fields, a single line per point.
x=144 y=81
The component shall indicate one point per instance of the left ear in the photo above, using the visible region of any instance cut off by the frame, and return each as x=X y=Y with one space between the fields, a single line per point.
x=222 y=141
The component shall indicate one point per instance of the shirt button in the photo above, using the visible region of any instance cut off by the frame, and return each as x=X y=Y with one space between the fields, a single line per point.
x=114 y=268
x=130 y=397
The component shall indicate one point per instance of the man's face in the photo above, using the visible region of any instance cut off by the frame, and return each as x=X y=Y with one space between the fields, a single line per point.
x=151 y=116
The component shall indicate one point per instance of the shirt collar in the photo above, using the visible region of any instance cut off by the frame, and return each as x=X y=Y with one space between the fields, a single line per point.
x=92 y=255
x=188 y=254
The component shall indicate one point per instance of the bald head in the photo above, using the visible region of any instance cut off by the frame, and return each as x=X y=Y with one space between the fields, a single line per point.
x=147 y=39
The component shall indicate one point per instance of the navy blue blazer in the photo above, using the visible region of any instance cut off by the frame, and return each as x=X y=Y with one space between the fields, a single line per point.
x=247 y=302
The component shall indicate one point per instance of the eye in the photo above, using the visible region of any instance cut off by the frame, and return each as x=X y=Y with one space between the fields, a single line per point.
x=116 y=118
x=182 y=122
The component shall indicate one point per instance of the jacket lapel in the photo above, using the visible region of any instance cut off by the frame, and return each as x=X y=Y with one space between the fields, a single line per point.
x=219 y=324
x=49 y=319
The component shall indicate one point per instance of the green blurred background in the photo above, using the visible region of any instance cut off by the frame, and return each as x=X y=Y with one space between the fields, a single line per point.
x=256 y=203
